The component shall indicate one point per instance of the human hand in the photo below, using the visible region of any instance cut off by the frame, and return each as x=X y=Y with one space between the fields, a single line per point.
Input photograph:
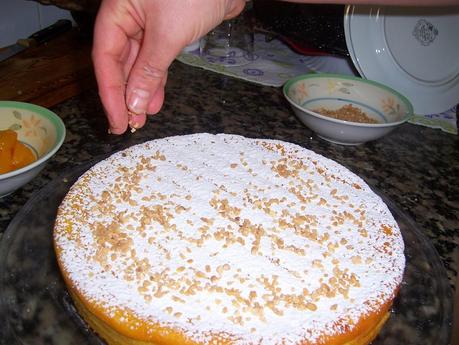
x=135 y=41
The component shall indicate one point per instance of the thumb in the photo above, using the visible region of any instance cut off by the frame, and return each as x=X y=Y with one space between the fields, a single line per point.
x=148 y=74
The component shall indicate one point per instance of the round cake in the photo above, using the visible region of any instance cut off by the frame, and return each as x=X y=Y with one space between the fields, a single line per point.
x=221 y=239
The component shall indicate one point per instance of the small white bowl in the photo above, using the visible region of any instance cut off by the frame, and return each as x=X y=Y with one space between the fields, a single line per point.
x=38 y=128
x=332 y=91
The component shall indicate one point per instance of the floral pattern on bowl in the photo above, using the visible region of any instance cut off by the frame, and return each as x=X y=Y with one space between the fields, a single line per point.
x=389 y=106
x=331 y=91
x=32 y=130
x=38 y=128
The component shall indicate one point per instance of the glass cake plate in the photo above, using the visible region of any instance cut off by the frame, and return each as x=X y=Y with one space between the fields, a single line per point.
x=35 y=307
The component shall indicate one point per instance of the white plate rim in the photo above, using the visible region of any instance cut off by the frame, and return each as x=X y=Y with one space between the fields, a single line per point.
x=426 y=99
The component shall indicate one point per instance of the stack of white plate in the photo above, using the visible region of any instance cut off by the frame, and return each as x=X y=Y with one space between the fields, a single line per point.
x=413 y=50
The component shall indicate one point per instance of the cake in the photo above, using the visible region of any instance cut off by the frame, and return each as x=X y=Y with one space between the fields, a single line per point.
x=222 y=239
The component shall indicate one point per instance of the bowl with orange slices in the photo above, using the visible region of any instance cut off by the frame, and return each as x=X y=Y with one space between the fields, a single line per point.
x=29 y=136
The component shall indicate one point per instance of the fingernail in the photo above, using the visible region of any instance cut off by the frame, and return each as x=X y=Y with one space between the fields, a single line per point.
x=113 y=130
x=138 y=101
x=134 y=121
x=133 y=126
x=134 y=118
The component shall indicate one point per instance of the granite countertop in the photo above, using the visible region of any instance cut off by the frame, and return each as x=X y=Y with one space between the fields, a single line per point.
x=415 y=167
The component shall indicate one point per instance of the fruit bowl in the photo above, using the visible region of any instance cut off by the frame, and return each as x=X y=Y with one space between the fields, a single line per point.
x=37 y=130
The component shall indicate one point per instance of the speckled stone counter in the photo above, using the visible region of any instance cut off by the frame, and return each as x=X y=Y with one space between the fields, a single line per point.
x=414 y=167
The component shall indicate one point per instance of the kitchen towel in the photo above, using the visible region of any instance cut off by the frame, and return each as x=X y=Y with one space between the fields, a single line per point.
x=273 y=64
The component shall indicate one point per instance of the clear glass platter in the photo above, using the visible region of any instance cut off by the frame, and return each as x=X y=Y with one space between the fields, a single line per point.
x=35 y=307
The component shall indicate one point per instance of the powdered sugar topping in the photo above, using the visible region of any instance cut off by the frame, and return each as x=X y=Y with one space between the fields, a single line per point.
x=259 y=240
